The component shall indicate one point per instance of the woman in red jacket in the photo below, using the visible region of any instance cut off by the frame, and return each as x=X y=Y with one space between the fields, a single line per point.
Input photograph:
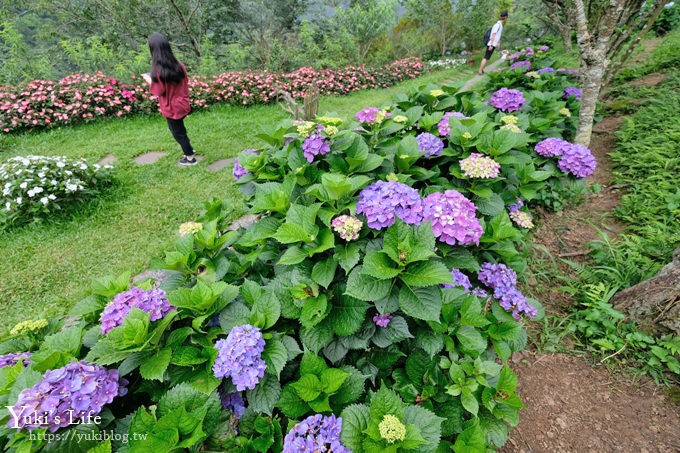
x=169 y=82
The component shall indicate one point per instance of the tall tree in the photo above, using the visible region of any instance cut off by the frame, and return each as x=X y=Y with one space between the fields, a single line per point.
x=605 y=32
x=367 y=21
x=437 y=17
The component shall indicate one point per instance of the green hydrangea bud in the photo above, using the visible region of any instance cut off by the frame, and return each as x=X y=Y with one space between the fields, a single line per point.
x=190 y=228
x=28 y=326
x=391 y=429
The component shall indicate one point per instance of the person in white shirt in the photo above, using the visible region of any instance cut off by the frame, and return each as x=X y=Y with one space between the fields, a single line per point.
x=494 y=40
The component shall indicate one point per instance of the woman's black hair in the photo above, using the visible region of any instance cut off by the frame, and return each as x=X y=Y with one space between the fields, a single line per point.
x=164 y=66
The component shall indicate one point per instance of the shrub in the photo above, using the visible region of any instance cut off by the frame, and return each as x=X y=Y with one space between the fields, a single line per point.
x=79 y=97
x=35 y=187
x=374 y=265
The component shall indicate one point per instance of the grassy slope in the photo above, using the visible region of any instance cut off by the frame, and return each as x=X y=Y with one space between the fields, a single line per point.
x=47 y=267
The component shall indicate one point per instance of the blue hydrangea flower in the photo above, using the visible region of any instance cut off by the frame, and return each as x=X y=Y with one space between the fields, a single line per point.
x=443 y=127
x=315 y=145
x=521 y=64
x=459 y=279
x=429 y=144
x=239 y=357
x=13 y=358
x=383 y=200
x=72 y=392
x=503 y=281
x=238 y=172
x=233 y=402
x=316 y=433
x=572 y=91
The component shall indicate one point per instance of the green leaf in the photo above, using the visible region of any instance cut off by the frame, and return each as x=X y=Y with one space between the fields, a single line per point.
x=324 y=271
x=386 y=401
x=321 y=404
x=471 y=440
x=314 y=311
x=347 y=256
x=292 y=232
x=235 y=314
x=491 y=206
x=291 y=404
x=426 y=273
x=292 y=255
x=154 y=367
x=507 y=381
x=471 y=313
x=269 y=306
x=347 y=315
x=275 y=355
x=308 y=387
x=332 y=379
x=312 y=364
x=469 y=401
x=421 y=303
x=317 y=337
x=291 y=346
x=430 y=342
x=396 y=331
x=365 y=287
x=264 y=396
x=417 y=366
x=378 y=265
x=354 y=422
x=352 y=389
x=270 y=196
x=324 y=241
x=428 y=424
x=337 y=185
x=406 y=244
x=471 y=340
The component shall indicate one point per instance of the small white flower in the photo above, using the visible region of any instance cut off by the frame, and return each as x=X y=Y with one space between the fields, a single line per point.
x=68 y=172
x=52 y=196
x=54 y=182
x=8 y=206
x=71 y=187
x=83 y=167
x=41 y=175
x=38 y=189
x=23 y=185
x=5 y=191
x=60 y=164
x=44 y=200
x=9 y=184
x=18 y=200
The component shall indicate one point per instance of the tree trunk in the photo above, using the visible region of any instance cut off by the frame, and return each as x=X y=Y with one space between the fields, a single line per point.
x=655 y=303
x=591 y=76
x=565 y=31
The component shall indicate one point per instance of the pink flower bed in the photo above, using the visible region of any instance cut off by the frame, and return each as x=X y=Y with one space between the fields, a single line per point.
x=82 y=97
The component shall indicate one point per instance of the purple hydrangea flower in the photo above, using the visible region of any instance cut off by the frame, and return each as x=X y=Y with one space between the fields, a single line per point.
x=152 y=301
x=315 y=144
x=546 y=70
x=443 y=127
x=503 y=281
x=13 y=358
x=232 y=402
x=367 y=115
x=552 y=147
x=477 y=165
x=529 y=51
x=479 y=292
x=577 y=160
x=347 y=227
x=239 y=357
x=521 y=64
x=429 y=144
x=571 y=91
x=381 y=201
x=515 y=56
x=316 y=433
x=507 y=100
x=543 y=49
x=382 y=320
x=238 y=172
x=453 y=218
x=72 y=392
x=459 y=279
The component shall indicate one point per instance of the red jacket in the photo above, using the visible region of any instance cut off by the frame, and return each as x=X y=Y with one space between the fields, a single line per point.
x=173 y=100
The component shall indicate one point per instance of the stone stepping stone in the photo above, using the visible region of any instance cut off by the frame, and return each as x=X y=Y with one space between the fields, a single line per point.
x=149 y=158
x=220 y=164
x=109 y=159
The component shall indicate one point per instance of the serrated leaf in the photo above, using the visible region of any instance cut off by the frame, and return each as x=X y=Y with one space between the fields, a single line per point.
x=308 y=387
x=426 y=273
x=471 y=340
x=421 y=303
x=314 y=310
x=275 y=355
x=292 y=255
x=354 y=422
x=378 y=265
x=292 y=232
x=365 y=287
x=469 y=401
x=352 y=389
x=264 y=396
x=396 y=331
x=323 y=272
x=386 y=401
x=154 y=367
x=507 y=381
x=312 y=364
x=291 y=404
x=347 y=256
x=317 y=337
x=428 y=424
x=332 y=379
x=347 y=315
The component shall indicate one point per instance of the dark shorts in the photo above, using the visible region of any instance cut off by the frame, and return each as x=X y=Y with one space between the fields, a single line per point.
x=488 y=53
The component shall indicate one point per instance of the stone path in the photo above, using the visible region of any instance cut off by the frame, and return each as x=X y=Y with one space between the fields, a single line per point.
x=149 y=158
x=109 y=159
x=220 y=164
x=476 y=78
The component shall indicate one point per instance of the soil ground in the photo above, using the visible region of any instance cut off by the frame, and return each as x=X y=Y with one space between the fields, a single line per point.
x=571 y=405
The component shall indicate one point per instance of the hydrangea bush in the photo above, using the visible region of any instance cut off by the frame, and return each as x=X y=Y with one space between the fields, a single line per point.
x=34 y=187
x=373 y=306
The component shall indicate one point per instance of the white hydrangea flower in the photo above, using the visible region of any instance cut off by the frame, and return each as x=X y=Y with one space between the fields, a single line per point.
x=44 y=200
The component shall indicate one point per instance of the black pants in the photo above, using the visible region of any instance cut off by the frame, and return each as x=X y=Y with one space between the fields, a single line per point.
x=488 y=53
x=179 y=132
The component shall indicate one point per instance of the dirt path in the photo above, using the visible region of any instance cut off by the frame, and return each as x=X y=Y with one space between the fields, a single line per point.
x=572 y=406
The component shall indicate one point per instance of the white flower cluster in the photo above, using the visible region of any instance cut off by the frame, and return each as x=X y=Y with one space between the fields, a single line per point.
x=447 y=63
x=34 y=185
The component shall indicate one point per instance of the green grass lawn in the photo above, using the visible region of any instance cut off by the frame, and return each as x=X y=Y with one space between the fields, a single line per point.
x=47 y=267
